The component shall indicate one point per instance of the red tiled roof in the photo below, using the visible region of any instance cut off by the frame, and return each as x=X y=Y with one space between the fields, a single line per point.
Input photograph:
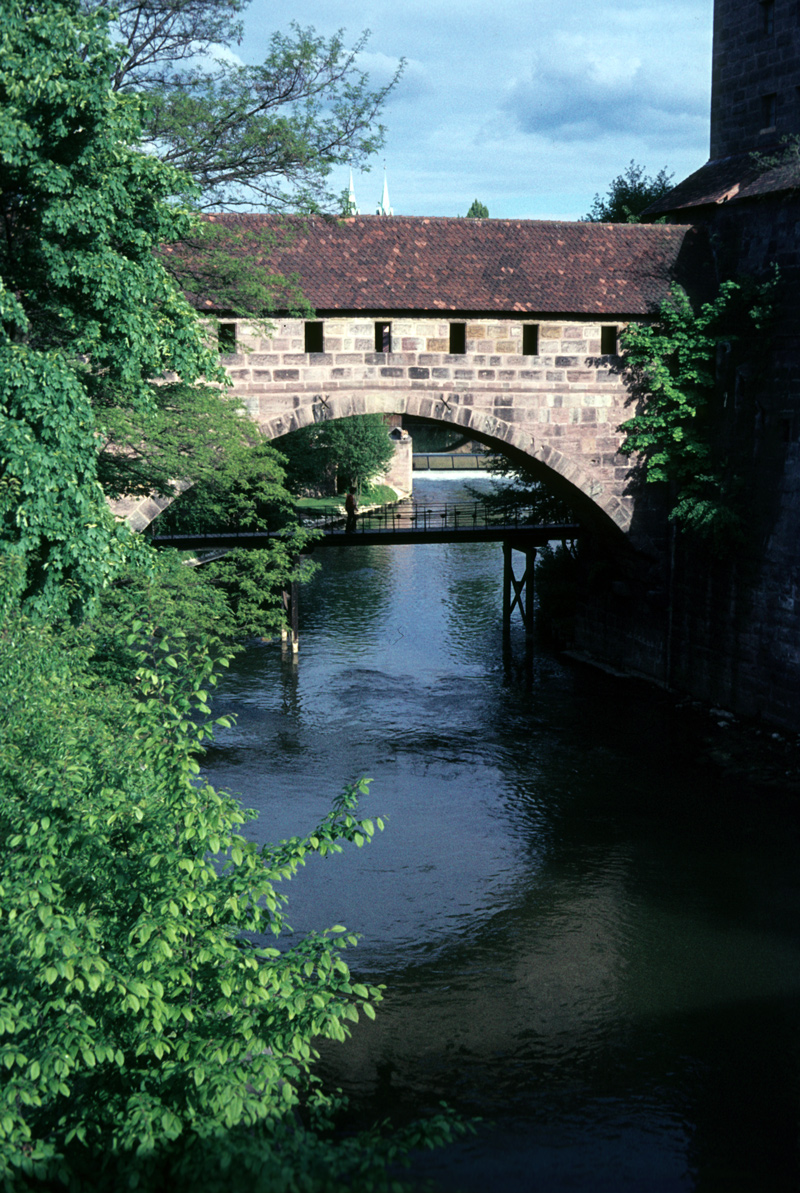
x=404 y=263
x=729 y=179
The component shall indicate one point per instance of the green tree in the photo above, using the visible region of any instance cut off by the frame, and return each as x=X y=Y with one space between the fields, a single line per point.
x=628 y=196
x=355 y=450
x=478 y=211
x=85 y=304
x=671 y=368
x=267 y=134
x=246 y=491
x=151 y=1035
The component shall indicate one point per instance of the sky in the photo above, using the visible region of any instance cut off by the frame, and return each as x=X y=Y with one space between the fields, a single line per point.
x=530 y=106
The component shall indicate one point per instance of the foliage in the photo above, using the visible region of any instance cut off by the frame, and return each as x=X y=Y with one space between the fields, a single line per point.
x=354 y=450
x=267 y=134
x=85 y=305
x=521 y=487
x=670 y=366
x=150 y=1033
x=628 y=196
x=213 y=265
x=478 y=211
x=187 y=431
x=246 y=492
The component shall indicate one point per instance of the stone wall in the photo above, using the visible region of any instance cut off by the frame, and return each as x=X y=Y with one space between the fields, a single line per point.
x=725 y=630
x=756 y=56
x=560 y=407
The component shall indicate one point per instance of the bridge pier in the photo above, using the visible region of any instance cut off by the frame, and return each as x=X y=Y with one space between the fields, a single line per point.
x=290 y=637
x=522 y=588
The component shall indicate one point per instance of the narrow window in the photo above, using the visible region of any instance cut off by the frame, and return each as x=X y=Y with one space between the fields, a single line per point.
x=383 y=337
x=313 y=337
x=530 y=339
x=769 y=108
x=768 y=16
x=458 y=339
x=608 y=341
x=226 y=338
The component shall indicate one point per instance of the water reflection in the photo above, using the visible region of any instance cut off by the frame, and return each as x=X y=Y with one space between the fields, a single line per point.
x=584 y=939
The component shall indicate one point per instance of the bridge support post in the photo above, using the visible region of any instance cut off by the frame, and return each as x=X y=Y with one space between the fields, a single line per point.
x=290 y=637
x=522 y=588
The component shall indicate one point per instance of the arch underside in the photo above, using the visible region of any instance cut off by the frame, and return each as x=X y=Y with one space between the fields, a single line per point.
x=512 y=439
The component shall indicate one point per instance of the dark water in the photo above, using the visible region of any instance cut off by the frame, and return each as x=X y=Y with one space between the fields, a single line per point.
x=586 y=938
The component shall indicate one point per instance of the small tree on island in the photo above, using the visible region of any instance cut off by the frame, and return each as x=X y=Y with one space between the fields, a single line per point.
x=352 y=450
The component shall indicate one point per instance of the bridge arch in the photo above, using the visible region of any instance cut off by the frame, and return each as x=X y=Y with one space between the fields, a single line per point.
x=557 y=468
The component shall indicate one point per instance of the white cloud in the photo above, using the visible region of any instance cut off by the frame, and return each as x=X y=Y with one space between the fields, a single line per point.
x=532 y=108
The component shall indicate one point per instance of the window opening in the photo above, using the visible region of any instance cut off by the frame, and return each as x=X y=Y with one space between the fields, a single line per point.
x=768 y=16
x=458 y=339
x=769 y=108
x=608 y=341
x=383 y=337
x=226 y=338
x=313 y=337
x=530 y=339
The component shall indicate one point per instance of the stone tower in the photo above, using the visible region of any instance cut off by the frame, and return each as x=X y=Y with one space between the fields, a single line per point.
x=755 y=81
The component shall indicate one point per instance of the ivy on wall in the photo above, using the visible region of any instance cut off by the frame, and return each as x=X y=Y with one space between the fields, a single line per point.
x=672 y=368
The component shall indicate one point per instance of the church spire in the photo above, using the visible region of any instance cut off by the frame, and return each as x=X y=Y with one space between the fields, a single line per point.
x=352 y=206
x=384 y=208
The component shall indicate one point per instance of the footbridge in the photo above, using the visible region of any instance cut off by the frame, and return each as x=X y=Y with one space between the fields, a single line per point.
x=513 y=525
x=506 y=328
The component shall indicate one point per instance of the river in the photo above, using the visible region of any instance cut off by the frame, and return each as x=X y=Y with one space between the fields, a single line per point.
x=586 y=937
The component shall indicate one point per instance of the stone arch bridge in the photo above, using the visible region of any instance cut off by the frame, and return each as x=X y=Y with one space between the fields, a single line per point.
x=507 y=328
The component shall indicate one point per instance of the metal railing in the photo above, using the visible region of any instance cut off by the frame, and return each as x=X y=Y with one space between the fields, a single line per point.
x=407 y=516
x=422 y=516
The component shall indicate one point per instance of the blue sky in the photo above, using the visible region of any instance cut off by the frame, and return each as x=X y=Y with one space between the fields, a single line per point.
x=531 y=106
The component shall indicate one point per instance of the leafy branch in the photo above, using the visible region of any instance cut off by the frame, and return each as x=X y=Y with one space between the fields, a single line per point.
x=671 y=369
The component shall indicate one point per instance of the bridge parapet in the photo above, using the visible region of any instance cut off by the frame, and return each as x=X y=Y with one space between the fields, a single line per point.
x=548 y=391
